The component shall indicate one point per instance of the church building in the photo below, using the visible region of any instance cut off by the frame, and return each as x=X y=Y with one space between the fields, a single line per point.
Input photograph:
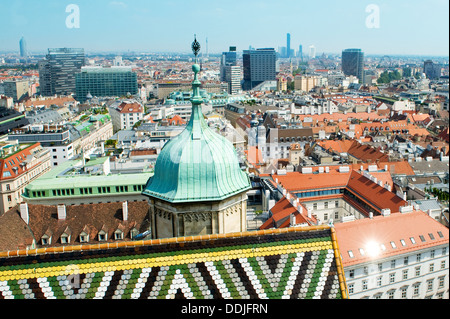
x=198 y=187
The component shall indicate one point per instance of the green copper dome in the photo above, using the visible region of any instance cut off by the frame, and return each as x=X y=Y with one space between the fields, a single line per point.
x=198 y=164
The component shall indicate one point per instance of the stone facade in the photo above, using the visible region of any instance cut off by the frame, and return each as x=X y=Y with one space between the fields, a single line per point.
x=199 y=218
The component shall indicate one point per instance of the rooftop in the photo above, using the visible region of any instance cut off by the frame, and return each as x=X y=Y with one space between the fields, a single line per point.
x=407 y=231
x=298 y=263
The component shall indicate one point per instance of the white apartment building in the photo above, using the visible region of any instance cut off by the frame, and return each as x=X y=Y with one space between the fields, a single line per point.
x=20 y=165
x=126 y=113
x=397 y=256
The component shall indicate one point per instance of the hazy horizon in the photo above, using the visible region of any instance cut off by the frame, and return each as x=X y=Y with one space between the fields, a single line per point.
x=394 y=28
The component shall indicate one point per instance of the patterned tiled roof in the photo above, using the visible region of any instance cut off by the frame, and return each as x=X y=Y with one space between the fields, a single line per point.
x=290 y=263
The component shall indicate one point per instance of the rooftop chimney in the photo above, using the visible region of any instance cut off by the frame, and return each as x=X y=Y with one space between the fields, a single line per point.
x=24 y=212
x=125 y=210
x=61 y=211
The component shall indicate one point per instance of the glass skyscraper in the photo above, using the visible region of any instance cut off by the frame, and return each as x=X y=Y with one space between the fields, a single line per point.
x=353 y=63
x=106 y=81
x=259 y=65
x=57 y=71
x=23 y=48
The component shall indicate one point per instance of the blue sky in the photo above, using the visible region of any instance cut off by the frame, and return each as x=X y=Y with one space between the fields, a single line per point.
x=405 y=26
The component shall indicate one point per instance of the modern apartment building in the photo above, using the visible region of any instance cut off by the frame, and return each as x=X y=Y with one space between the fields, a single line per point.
x=57 y=71
x=20 y=164
x=353 y=63
x=432 y=70
x=17 y=89
x=259 y=65
x=395 y=256
x=105 y=81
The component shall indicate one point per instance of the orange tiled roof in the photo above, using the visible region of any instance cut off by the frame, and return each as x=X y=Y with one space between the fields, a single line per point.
x=297 y=181
x=373 y=194
x=254 y=156
x=369 y=234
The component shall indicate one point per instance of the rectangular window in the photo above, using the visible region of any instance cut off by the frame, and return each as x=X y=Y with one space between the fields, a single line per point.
x=432 y=254
x=393 y=263
x=422 y=238
x=443 y=264
x=393 y=245
x=392 y=277
x=430 y=285
x=350 y=253
x=405 y=261
x=431 y=236
x=413 y=241
x=417 y=271
x=418 y=257
x=416 y=289
x=364 y=285
x=379 y=281
x=404 y=292
x=405 y=274
x=336 y=204
x=431 y=267
x=441 y=281
x=402 y=241
x=351 y=288
x=351 y=273
x=391 y=294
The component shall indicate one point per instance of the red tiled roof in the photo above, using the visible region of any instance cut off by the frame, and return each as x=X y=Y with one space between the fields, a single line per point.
x=374 y=194
x=12 y=163
x=130 y=108
x=297 y=181
x=369 y=234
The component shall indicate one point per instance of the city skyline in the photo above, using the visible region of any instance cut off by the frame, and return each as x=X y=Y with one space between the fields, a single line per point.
x=384 y=27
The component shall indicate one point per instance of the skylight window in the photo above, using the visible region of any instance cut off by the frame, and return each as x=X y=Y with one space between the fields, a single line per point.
x=422 y=238
x=393 y=244
x=350 y=253
x=383 y=247
x=361 y=251
x=412 y=240
x=403 y=242
x=440 y=234
x=431 y=236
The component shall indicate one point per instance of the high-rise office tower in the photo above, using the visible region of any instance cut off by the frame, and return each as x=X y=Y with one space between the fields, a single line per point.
x=227 y=58
x=288 y=45
x=23 y=48
x=312 y=52
x=233 y=76
x=57 y=71
x=353 y=63
x=432 y=70
x=300 y=52
x=259 y=65
x=109 y=81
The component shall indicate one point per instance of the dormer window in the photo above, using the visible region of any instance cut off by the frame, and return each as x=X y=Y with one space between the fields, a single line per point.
x=102 y=236
x=133 y=233
x=84 y=237
x=45 y=240
x=118 y=234
x=65 y=239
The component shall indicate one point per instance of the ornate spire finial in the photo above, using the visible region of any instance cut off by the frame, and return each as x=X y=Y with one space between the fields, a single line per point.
x=195 y=46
